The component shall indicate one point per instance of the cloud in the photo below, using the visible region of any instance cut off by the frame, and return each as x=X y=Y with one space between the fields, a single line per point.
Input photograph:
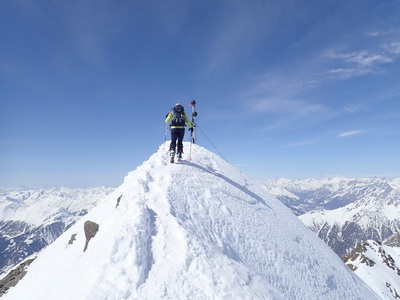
x=349 y=133
x=393 y=48
x=279 y=96
x=351 y=108
x=303 y=143
x=363 y=58
x=240 y=31
x=358 y=63
x=281 y=106
x=344 y=73
x=287 y=113
x=377 y=33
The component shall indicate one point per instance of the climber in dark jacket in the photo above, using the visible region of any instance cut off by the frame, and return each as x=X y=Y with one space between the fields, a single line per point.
x=177 y=117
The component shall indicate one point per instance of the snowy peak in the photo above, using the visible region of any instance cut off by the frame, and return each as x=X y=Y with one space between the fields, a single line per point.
x=378 y=265
x=198 y=230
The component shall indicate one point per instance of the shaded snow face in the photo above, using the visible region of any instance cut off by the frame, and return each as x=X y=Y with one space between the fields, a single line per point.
x=194 y=230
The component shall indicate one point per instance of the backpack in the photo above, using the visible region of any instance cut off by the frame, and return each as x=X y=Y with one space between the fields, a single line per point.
x=178 y=118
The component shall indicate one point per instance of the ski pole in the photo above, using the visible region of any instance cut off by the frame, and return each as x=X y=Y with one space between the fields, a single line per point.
x=191 y=142
x=165 y=138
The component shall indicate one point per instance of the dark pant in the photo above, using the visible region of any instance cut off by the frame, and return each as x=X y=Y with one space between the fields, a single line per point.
x=177 y=134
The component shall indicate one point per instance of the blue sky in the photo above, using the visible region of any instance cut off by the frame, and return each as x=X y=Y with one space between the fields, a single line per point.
x=284 y=88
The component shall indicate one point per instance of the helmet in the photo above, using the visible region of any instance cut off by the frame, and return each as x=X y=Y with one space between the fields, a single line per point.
x=179 y=108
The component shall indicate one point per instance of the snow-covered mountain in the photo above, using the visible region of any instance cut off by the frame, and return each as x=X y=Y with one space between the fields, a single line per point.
x=378 y=265
x=194 y=230
x=343 y=211
x=30 y=219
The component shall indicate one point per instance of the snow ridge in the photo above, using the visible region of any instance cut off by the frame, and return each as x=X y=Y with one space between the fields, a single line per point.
x=198 y=230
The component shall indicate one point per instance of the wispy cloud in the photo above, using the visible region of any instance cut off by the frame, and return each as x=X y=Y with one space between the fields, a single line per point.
x=283 y=106
x=393 y=48
x=349 y=133
x=344 y=73
x=303 y=143
x=278 y=96
x=284 y=112
x=362 y=58
x=351 y=108
x=377 y=33
x=358 y=63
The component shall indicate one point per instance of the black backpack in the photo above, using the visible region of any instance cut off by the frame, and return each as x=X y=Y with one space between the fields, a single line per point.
x=178 y=118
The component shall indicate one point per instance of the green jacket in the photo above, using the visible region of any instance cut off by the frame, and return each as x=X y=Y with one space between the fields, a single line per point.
x=171 y=115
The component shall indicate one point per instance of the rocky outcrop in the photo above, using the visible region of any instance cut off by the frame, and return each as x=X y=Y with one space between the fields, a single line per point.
x=118 y=200
x=375 y=262
x=358 y=254
x=14 y=276
x=72 y=239
x=91 y=229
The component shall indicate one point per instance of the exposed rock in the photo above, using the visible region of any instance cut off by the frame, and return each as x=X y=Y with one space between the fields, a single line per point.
x=14 y=276
x=118 y=200
x=91 y=229
x=392 y=291
x=71 y=241
x=380 y=260
x=358 y=253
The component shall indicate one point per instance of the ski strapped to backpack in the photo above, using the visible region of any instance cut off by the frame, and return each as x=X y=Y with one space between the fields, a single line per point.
x=193 y=138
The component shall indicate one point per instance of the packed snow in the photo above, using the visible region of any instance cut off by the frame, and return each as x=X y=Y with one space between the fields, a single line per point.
x=197 y=229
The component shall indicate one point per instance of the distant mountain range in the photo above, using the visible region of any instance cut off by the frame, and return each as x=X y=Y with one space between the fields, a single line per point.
x=358 y=218
x=30 y=219
x=343 y=211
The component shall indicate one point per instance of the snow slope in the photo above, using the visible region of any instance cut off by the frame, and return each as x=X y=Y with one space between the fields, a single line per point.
x=198 y=230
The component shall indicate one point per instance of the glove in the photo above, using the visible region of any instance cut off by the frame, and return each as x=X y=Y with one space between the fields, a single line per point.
x=191 y=129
